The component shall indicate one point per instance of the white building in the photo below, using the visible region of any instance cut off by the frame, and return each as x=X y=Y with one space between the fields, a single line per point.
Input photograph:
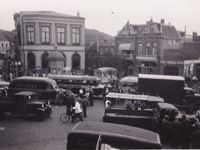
x=40 y=33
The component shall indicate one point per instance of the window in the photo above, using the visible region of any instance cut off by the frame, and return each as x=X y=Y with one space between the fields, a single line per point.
x=30 y=34
x=155 y=49
x=148 y=49
x=45 y=35
x=75 y=36
x=140 y=49
x=61 y=35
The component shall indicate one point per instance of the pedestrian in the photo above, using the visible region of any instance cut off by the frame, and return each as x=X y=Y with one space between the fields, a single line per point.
x=185 y=132
x=176 y=125
x=68 y=99
x=77 y=111
x=91 y=96
x=197 y=114
x=84 y=104
x=196 y=136
x=165 y=129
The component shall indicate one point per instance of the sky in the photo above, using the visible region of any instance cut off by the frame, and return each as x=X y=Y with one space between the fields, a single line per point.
x=109 y=16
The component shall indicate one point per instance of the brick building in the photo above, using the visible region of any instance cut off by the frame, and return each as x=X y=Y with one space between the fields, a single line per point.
x=143 y=46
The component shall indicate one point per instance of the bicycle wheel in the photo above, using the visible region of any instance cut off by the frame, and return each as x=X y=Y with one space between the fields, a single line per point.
x=64 y=118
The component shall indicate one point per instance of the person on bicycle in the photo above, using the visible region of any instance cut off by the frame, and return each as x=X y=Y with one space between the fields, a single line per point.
x=68 y=101
x=77 y=111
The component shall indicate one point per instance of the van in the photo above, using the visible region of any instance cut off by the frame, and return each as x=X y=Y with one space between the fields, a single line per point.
x=46 y=88
x=98 y=136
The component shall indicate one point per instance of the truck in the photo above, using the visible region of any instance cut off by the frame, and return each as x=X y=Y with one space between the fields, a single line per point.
x=171 y=88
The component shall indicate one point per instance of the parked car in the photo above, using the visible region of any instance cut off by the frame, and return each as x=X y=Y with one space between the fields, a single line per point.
x=26 y=104
x=89 y=135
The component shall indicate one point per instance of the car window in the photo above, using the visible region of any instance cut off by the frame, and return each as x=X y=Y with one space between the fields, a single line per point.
x=82 y=141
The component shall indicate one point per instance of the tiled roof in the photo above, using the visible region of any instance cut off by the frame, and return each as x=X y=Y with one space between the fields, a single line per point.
x=166 y=31
x=170 y=32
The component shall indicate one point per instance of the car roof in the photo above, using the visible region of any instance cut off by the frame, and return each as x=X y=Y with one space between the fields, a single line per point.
x=25 y=93
x=102 y=128
x=162 y=77
x=166 y=106
x=28 y=78
x=130 y=79
x=134 y=97
x=74 y=77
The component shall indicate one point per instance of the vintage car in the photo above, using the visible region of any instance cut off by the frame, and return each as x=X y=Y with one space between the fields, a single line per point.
x=164 y=109
x=130 y=109
x=102 y=136
x=26 y=104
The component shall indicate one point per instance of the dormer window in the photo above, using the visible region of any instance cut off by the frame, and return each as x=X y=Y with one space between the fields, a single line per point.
x=146 y=30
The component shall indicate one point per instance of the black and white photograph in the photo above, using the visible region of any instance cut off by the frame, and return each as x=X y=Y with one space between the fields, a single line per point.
x=99 y=74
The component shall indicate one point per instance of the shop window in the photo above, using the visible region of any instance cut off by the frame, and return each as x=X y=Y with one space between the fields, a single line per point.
x=76 y=61
x=31 y=60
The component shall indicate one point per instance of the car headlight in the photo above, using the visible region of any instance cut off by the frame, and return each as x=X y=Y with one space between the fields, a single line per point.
x=42 y=105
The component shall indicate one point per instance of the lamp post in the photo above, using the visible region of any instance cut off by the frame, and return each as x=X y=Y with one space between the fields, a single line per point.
x=17 y=65
x=56 y=50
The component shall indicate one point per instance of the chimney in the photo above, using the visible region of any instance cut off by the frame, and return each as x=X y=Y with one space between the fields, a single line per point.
x=78 y=14
x=162 y=21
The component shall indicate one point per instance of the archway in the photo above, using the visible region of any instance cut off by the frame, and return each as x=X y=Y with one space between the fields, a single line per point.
x=31 y=60
x=45 y=61
x=76 y=61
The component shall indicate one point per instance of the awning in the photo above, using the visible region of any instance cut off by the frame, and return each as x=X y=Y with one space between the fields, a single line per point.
x=125 y=46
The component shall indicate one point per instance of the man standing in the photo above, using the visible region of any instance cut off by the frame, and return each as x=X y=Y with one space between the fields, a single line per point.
x=91 y=96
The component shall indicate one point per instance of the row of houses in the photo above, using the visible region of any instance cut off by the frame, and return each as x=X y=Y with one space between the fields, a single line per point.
x=48 y=41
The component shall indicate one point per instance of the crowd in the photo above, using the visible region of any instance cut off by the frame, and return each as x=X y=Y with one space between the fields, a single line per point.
x=180 y=132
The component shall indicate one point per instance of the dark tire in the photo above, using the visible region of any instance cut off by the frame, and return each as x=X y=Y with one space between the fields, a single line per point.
x=64 y=118
x=40 y=116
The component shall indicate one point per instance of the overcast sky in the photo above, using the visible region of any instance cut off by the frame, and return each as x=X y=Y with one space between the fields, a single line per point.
x=110 y=16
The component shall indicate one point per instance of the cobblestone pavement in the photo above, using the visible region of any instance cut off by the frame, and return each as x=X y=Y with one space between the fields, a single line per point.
x=19 y=134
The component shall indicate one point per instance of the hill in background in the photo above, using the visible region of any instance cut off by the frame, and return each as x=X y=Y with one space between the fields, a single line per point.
x=92 y=35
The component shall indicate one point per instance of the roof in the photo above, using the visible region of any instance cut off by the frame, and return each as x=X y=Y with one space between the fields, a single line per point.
x=164 y=30
x=56 y=56
x=103 y=128
x=46 y=13
x=106 y=69
x=162 y=77
x=166 y=106
x=134 y=97
x=131 y=79
x=28 y=78
x=73 y=77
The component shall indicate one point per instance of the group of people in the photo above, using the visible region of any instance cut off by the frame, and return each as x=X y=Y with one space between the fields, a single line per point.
x=76 y=105
x=180 y=132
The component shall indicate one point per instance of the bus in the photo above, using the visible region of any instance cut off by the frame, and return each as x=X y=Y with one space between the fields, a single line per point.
x=77 y=82
x=46 y=88
x=107 y=75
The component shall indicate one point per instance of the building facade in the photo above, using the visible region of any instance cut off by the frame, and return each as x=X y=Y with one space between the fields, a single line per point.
x=143 y=46
x=41 y=33
x=101 y=54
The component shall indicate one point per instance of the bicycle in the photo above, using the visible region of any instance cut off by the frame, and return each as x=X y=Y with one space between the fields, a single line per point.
x=64 y=117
